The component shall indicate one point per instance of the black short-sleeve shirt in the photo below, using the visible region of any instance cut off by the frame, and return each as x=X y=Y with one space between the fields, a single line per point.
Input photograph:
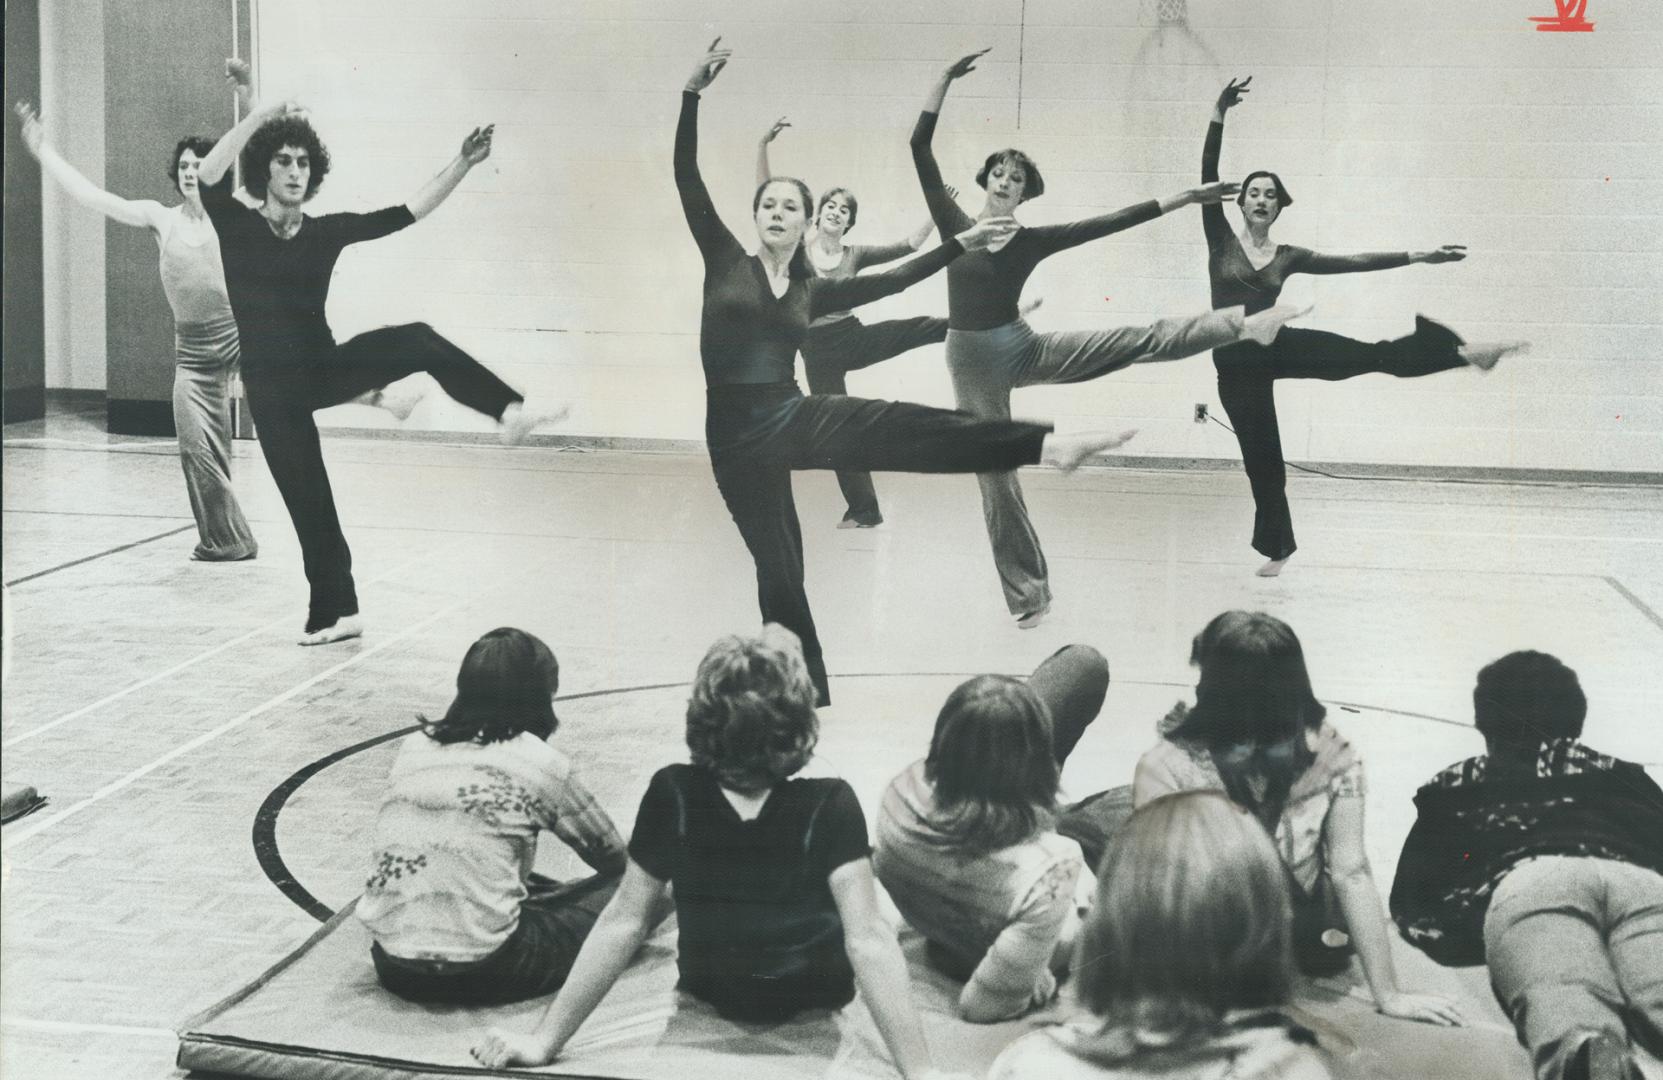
x=279 y=288
x=760 y=933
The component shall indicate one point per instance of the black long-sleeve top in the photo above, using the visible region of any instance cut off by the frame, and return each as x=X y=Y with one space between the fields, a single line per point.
x=746 y=333
x=1235 y=280
x=279 y=288
x=984 y=287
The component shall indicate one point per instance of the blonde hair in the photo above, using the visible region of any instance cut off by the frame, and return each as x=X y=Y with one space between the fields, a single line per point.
x=750 y=718
x=1191 y=922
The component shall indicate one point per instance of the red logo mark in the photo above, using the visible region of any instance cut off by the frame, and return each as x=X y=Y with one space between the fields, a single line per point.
x=1569 y=17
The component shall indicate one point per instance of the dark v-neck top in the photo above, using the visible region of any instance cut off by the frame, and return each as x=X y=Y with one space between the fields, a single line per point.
x=753 y=898
x=1235 y=280
x=746 y=333
x=279 y=288
x=985 y=287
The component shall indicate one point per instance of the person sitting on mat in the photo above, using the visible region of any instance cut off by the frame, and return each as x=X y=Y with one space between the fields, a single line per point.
x=1544 y=859
x=773 y=885
x=968 y=842
x=1183 y=963
x=456 y=912
x=1256 y=733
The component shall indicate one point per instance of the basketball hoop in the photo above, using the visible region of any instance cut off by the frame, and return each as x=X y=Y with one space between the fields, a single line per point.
x=1164 y=13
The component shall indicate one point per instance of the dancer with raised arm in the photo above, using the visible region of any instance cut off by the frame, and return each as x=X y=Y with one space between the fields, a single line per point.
x=1248 y=269
x=759 y=426
x=838 y=342
x=204 y=330
x=278 y=263
x=991 y=350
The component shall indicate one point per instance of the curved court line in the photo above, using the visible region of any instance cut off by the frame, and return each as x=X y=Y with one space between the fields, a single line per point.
x=208 y=736
x=150 y=680
x=265 y=820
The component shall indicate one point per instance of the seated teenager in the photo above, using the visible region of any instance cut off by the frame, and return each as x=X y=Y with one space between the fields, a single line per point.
x=772 y=876
x=1183 y=961
x=967 y=841
x=1257 y=733
x=456 y=913
x=1544 y=859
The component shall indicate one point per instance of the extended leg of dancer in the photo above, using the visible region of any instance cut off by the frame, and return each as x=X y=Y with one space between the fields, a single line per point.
x=202 y=421
x=831 y=351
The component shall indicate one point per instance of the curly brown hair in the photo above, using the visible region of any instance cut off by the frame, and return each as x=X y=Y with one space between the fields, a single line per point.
x=751 y=719
x=273 y=136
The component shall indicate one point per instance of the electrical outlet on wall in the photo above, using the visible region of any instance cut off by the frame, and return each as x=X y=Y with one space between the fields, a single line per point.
x=1200 y=412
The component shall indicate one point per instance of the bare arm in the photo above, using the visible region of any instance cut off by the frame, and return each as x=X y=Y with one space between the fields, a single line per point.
x=880 y=969
x=617 y=936
x=475 y=149
x=224 y=154
x=138 y=212
x=1365 y=918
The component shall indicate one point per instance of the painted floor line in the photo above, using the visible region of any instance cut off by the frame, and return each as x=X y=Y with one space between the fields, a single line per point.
x=206 y=737
x=206 y=654
x=21 y=1023
x=118 y=549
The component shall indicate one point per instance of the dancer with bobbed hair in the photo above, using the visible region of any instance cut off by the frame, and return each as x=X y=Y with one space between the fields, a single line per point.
x=772 y=880
x=1257 y=733
x=991 y=350
x=1247 y=269
x=278 y=266
x=759 y=426
x=1183 y=965
x=838 y=342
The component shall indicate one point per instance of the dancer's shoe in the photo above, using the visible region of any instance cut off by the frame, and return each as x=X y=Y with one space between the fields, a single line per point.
x=1030 y=619
x=1273 y=568
x=1263 y=326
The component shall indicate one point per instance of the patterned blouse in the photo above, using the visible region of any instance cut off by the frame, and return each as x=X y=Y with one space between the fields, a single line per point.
x=1174 y=765
x=456 y=837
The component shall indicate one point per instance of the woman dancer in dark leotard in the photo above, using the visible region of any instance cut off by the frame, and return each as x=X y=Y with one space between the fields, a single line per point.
x=759 y=426
x=1248 y=269
x=991 y=350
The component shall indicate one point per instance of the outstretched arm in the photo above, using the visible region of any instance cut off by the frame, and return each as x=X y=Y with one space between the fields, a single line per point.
x=1317 y=263
x=475 y=149
x=1365 y=918
x=1054 y=238
x=829 y=294
x=224 y=154
x=616 y=938
x=143 y=212
x=702 y=219
x=1213 y=223
x=948 y=217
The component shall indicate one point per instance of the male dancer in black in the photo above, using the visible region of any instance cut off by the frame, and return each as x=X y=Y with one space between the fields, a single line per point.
x=278 y=262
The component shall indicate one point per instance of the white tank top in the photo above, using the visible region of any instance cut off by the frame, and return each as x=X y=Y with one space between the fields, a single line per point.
x=193 y=277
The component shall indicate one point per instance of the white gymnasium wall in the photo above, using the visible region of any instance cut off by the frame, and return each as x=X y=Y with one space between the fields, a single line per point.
x=72 y=112
x=564 y=261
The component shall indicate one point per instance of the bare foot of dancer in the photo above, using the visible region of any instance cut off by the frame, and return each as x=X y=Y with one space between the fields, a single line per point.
x=347 y=626
x=521 y=418
x=400 y=399
x=1069 y=452
x=1486 y=355
x=1030 y=619
x=1263 y=326
x=1273 y=567
x=1030 y=306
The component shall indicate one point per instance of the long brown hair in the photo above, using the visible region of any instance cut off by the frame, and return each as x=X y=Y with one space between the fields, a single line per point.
x=1191 y=922
x=993 y=764
x=1253 y=706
